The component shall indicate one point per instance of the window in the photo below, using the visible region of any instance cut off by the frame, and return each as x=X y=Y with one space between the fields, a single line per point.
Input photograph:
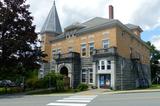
x=108 y=65
x=70 y=49
x=59 y=51
x=84 y=75
x=102 y=65
x=123 y=33
x=105 y=44
x=131 y=50
x=90 y=75
x=83 y=50
x=54 y=52
x=91 y=48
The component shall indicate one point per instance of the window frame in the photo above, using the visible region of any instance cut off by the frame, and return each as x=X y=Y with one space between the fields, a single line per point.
x=103 y=44
x=90 y=75
x=93 y=47
x=70 y=49
x=84 y=72
x=85 y=47
x=59 y=51
x=107 y=65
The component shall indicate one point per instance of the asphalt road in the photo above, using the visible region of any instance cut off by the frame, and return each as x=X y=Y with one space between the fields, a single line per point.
x=132 y=99
x=22 y=100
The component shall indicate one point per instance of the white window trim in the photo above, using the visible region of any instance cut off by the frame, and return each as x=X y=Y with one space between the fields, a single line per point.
x=86 y=50
x=58 y=51
x=85 y=75
x=89 y=47
x=105 y=64
x=89 y=76
x=108 y=64
x=103 y=43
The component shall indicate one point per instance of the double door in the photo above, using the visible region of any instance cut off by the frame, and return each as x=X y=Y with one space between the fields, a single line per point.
x=105 y=80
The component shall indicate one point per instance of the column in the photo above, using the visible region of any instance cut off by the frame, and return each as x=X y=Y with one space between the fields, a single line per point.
x=113 y=74
x=94 y=73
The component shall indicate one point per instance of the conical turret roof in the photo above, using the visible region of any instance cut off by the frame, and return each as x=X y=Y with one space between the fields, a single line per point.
x=52 y=24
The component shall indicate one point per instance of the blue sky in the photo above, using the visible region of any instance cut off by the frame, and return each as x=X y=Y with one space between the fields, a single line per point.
x=145 y=13
x=149 y=34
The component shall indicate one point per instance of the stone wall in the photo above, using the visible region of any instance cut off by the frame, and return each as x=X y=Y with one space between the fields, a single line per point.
x=127 y=76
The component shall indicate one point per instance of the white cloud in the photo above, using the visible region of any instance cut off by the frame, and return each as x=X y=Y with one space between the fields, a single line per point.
x=145 y=13
x=156 y=41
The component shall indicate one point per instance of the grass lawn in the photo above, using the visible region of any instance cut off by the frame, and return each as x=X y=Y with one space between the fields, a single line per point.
x=50 y=91
x=155 y=86
x=10 y=90
x=2 y=90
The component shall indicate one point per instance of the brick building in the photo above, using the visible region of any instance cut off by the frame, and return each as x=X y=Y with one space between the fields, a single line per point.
x=100 y=52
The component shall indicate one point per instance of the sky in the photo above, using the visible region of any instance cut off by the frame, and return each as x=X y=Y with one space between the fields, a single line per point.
x=145 y=13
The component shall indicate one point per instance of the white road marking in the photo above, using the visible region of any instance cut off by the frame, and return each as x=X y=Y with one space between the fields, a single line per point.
x=65 y=104
x=77 y=101
x=74 y=101
x=83 y=96
x=72 y=98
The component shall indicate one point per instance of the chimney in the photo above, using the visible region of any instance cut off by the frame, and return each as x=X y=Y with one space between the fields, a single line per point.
x=111 y=12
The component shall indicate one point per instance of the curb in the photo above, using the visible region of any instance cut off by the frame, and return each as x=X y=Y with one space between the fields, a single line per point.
x=132 y=91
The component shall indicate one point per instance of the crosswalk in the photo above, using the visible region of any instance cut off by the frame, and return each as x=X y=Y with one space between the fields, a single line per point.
x=79 y=100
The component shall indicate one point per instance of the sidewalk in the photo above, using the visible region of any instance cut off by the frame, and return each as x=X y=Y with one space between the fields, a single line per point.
x=133 y=91
x=94 y=92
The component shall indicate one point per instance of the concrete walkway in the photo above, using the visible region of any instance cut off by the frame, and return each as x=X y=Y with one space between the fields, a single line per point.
x=94 y=92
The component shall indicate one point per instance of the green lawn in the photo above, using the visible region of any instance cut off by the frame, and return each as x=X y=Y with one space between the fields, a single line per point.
x=155 y=86
x=10 y=90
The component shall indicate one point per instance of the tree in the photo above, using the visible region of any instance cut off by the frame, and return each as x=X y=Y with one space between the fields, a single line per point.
x=154 y=53
x=154 y=60
x=18 y=41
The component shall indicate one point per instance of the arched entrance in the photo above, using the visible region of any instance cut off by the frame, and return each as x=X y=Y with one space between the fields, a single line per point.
x=64 y=71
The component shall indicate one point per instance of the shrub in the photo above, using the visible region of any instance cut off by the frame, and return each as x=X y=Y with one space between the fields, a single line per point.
x=31 y=83
x=82 y=87
x=60 y=85
x=51 y=80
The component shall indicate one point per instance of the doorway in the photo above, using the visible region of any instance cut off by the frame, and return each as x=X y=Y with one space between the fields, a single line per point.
x=105 y=81
x=64 y=71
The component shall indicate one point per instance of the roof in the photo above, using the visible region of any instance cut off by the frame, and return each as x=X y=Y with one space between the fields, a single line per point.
x=89 y=25
x=52 y=23
x=96 y=21
x=131 y=26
